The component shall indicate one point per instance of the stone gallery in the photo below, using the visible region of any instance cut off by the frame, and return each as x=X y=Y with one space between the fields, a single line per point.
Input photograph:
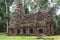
x=30 y=24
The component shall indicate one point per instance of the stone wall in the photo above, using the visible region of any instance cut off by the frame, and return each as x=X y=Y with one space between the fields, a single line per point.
x=22 y=24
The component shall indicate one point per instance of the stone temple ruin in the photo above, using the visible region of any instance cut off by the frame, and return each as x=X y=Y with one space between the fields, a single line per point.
x=30 y=24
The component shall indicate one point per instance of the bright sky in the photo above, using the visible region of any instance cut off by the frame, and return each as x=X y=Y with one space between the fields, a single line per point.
x=52 y=4
x=58 y=12
x=13 y=7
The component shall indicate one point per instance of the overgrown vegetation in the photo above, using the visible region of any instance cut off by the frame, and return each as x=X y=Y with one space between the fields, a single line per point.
x=4 y=17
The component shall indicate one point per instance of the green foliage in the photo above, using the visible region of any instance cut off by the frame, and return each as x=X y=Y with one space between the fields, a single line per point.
x=43 y=4
x=26 y=9
x=3 y=16
x=2 y=1
x=57 y=17
x=58 y=2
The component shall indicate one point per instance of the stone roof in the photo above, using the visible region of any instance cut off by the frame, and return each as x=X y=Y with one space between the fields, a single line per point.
x=32 y=19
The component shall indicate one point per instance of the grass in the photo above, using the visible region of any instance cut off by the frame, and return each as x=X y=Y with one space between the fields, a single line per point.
x=3 y=36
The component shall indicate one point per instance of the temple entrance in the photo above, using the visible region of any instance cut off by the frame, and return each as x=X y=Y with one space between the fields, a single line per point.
x=40 y=31
x=11 y=31
x=18 y=32
x=30 y=30
x=24 y=31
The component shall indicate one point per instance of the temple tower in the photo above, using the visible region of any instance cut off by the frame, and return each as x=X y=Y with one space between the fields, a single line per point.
x=17 y=15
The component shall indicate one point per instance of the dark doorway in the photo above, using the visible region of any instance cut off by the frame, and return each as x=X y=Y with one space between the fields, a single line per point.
x=24 y=30
x=40 y=30
x=31 y=30
x=11 y=31
x=18 y=31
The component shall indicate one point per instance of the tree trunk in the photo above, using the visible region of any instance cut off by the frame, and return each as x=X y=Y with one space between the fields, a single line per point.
x=6 y=13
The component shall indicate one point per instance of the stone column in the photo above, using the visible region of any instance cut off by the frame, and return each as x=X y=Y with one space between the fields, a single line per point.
x=52 y=29
x=35 y=31
x=15 y=31
x=28 y=31
x=9 y=32
x=21 y=32
x=49 y=30
x=44 y=31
